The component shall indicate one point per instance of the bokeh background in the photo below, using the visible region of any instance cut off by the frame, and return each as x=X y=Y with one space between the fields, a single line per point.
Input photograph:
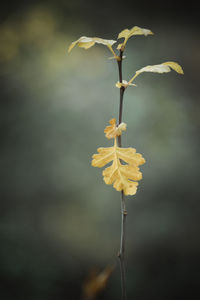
x=58 y=220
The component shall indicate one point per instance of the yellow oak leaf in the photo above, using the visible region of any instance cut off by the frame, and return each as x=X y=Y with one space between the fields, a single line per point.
x=112 y=130
x=123 y=172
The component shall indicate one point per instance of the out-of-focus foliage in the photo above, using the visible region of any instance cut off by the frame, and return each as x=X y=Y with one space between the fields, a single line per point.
x=96 y=283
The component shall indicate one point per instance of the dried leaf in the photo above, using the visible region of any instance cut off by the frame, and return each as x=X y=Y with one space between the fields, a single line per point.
x=162 y=68
x=112 y=131
x=88 y=42
x=122 y=176
x=95 y=283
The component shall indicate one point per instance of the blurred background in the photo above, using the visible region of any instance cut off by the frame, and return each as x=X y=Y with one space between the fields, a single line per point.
x=58 y=220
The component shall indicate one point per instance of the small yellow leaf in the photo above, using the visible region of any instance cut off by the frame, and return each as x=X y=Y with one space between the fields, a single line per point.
x=103 y=41
x=162 y=68
x=140 y=31
x=123 y=175
x=86 y=45
x=155 y=68
x=126 y=34
x=87 y=42
x=112 y=131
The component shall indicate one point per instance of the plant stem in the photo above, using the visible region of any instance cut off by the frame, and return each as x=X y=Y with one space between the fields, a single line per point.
x=123 y=207
x=121 y=94
x=122 y=246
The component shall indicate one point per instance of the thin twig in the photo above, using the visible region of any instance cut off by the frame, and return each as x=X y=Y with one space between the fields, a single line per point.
x=123 y=207
x=122 y=246
x=121 y=94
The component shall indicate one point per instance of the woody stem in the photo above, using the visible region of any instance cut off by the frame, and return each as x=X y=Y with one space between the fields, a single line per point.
x=123 y=207
x=121 y=94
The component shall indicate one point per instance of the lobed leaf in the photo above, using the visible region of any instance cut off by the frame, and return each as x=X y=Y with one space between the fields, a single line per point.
x=123 y=175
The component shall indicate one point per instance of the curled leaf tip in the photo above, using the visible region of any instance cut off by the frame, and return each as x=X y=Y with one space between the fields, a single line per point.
x=175 y=66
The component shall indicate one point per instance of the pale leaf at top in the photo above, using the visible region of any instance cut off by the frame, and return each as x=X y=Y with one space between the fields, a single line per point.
x=88 y=42
x=127 y=33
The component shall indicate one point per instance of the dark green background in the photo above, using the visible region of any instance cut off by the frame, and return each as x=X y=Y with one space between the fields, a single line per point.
x=58 y=219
